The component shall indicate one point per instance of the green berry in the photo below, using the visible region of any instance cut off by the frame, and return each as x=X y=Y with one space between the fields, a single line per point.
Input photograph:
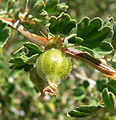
x=53 y=66
x=34 y=77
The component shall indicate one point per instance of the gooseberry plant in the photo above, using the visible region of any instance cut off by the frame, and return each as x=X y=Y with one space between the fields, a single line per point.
x=47 y=59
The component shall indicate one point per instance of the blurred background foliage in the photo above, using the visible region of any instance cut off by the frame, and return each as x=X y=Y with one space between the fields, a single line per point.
x=19 y=99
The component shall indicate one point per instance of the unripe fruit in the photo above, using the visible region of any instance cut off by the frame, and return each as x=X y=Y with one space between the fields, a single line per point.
x=40 y=83
x=53 y=66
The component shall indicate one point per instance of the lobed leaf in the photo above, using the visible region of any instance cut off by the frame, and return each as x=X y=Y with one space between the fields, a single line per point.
x=33 y=49
x=50 y=4
x=75 y=40
x=54 y=7
x=18 y=64
x=62 y=24
x=95 y=36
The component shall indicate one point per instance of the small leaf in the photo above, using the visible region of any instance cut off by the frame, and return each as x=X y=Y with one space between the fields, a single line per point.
x=85 y=84
x=108 y=99
x=4 y=34
x=79 y=92
x=84 y=111
x=100 y=85
x=18 y=64
x=75 y=40
x=89 y=108
x=33 y=48
x=114 y=37
x=62 y=7
x=51 y=4
x=32 y=59
x=104 y=47
x=77 y=114
x=36 y=6
x=36 y=9
x=82 y=48
x=95 y=36
x=112 y=86
x=63 y=24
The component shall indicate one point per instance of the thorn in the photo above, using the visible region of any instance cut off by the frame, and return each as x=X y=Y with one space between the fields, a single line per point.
x=44 y=35
x=101 y=101
x=11 y=16
x=18 y=50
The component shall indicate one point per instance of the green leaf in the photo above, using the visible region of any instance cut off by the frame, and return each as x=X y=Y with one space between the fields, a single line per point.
x=62 y=7
x=32 y=59
x=33 y=49
x=62 y=24
x=84 y=111
x=18 y=64
x=108 y=99
x=51 y=4
x=36 y=6
x=109 y=21
x=4 y=34
x=112 y=86
x=82 y=48
x=79 y=92
x=54 y=7
x=77 y=114
x=85 y=84
x=89 y=108
x=36 y=9
x=100 y=85
x=104 y=48
x=95 y=36
x=114 y=37
x=75 y=40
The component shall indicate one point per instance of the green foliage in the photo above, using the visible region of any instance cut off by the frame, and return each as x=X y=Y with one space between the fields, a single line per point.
x=114 y=37
x=109 y=99
x=4 y=34
x=100 y=85
x=32 y=49
x=26 y=61
x=112 y=86
x=18 y=63
x=95 y=36
x=19 y=99
x=36 y=9
x=79 y=92
x=55 y=7
x=61 y=25
x=84 y=111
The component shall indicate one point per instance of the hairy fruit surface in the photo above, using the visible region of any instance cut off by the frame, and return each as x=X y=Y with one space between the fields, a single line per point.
x=53 y=66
